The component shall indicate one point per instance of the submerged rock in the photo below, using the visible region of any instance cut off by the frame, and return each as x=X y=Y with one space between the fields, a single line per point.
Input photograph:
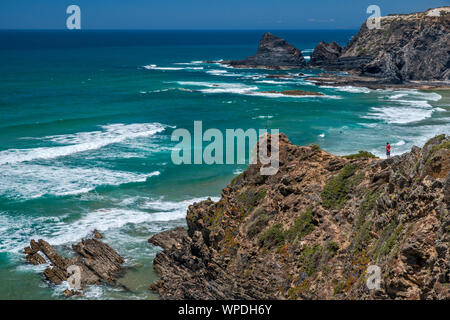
x=273 y=53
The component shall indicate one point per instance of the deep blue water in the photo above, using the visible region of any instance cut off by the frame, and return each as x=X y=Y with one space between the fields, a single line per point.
x=85 y=128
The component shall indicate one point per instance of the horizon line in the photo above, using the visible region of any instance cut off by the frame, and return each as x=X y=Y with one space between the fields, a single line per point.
x=256 y=29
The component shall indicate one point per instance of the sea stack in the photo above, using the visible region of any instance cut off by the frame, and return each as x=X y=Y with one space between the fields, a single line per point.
x=325 y=54
x=273 y=53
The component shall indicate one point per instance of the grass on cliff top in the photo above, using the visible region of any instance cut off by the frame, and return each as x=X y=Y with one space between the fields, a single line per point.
x=445 y=145
x=360 y=155
x=334 y=194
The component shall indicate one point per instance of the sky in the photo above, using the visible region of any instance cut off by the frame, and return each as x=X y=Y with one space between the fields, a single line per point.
x=202 y=14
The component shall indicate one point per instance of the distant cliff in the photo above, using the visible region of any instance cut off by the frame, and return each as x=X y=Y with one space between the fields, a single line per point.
x=312 y=230
x=273 y=53
x=406 y=47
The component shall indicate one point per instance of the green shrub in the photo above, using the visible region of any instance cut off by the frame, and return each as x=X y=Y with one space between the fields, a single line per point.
x=334 y=194
x=332 y=247
x=248 y=198
x=302 y=226
x=310 y=258
x=315 y=147
x=360 y=155
x=445 y=145
x=339 y=288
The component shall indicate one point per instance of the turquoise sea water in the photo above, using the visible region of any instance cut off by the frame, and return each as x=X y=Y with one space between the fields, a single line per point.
x=85 y=128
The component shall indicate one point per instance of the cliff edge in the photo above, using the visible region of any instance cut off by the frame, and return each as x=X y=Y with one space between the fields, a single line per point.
x=312 y=230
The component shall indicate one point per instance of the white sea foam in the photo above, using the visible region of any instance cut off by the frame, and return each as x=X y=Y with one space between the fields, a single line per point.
x=406 y=106
x=189 y=63
x=217 y=72
x=350 y=89
x=17 y=232
x=155 y=67
x=273 y=82
x=263 y=117
x=237 y=88
x=400 y=143
x=27 y=181
x=280 y=95
x=396 y=115
x=81 y=142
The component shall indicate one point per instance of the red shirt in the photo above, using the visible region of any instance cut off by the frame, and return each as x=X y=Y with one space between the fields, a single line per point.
x=388 y=148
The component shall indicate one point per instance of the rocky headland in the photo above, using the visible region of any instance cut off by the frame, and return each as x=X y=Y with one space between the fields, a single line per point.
x=407 y=51
x=273 y=53
x=312 y=230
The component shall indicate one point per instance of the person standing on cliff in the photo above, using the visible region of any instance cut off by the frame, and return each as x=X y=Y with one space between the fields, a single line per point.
x=388 y=150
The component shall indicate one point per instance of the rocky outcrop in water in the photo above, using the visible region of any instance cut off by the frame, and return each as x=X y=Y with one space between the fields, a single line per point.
x=273 y=53
x=98 y=262
x=324 y=54
x=405 y=48
x=312 y=230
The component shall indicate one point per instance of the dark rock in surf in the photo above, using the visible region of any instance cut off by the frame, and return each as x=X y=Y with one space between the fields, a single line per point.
x=97 y=262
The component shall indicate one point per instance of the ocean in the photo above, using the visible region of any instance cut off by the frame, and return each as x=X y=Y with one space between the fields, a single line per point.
x=85 y=135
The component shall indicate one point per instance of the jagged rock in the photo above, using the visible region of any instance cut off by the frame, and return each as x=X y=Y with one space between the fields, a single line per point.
x=69 y=293
x=97 y=261
x=35 y=258
x=325 y=54
x=100 y=258
x=273 y=53
x=311 y=230
x=97 y=235
x=392 y=52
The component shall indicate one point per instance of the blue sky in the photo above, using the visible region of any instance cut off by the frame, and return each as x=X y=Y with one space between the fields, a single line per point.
x=202 y=14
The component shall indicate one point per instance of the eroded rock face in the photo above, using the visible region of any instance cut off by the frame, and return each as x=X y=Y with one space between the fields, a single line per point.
x=325 y=54
x=311 y=230
x=273 y=53
x=407 y=47
x=97 y=262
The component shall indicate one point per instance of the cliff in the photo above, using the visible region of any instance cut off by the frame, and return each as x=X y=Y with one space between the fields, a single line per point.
x=273 y=53
x=311 y=230
x=406 y=48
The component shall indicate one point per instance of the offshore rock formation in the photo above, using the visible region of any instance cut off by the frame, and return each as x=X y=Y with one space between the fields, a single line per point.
x=98 y=262
x=325 y=54
x=407 y=47
x=312 y=230
x=273 y=53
